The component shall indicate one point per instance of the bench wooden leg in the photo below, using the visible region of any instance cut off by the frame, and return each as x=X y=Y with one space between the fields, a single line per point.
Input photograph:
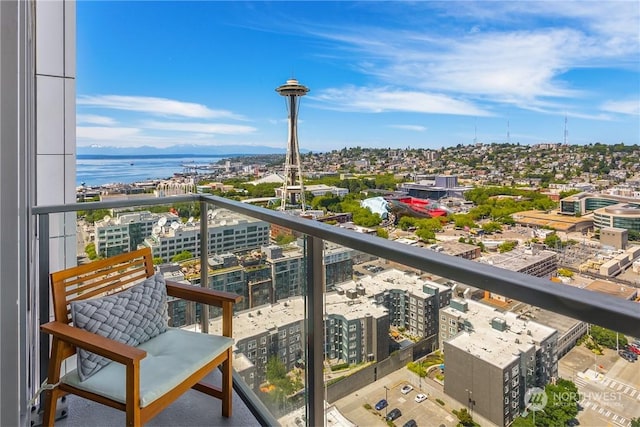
x=133 y=394
x=227 y=385
x=53 y=376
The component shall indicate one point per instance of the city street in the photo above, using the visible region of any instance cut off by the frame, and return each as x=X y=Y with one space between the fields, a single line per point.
x=609 y=386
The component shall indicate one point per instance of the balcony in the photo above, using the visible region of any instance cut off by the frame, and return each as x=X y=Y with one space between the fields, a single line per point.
x=309 y=311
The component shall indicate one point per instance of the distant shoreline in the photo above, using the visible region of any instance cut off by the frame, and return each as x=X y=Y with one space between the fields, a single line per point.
x=155 y=156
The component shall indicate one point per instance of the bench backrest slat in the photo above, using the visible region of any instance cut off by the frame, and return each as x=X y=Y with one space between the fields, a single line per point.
x=98 y=278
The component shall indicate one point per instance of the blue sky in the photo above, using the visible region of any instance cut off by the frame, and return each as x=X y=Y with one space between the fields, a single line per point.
x=381 y=74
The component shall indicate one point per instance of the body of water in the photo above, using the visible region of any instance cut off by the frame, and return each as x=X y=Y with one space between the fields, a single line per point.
x=100 y=170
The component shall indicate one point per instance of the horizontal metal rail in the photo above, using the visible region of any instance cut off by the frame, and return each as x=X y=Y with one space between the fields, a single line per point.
x=593 y=307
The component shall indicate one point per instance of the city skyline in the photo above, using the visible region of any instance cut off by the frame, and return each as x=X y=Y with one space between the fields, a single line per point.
x=420 y=75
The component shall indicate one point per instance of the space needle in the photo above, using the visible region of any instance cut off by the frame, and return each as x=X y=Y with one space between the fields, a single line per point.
x=292 y=89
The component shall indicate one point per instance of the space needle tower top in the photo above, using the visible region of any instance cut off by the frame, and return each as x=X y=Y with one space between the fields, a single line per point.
x=293 y=184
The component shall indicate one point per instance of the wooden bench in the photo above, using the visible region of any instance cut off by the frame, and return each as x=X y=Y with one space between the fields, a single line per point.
x=145 y=379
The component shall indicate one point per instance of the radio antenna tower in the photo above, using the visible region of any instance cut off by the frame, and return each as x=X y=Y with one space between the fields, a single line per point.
x=292 y=166
x=475 y=131
x=566 y=131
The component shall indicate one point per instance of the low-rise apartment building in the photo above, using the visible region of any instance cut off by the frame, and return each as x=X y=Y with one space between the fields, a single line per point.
x=494 y=358
x=413 y=302
x=227 y=232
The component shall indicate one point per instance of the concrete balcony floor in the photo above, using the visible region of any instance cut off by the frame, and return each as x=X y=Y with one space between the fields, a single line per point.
x=191 y=409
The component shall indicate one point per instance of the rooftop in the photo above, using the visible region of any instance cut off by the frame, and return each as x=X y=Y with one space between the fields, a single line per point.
x=496 y=347
x=263 y=319
x=394 y=279
x=353 y=308
x=517 y=259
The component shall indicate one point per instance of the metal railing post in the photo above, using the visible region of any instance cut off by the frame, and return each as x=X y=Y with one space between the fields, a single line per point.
x=204 y=255
x=315 y=331
x=43 y=292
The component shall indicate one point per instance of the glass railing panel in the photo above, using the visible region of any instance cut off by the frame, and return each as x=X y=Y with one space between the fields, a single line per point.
x=267 y=267
x=404 y=343
x=173 y=232
x=387 y=320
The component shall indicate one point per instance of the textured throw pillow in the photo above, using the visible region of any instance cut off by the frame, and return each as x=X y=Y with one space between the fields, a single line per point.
x=132 y=317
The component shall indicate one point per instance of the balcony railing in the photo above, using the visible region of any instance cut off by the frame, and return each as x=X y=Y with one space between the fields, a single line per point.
x=594 y=308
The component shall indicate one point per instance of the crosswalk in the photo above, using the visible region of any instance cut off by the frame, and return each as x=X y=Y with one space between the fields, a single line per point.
x=613 y=388
x=605 y=412
x=623 y=388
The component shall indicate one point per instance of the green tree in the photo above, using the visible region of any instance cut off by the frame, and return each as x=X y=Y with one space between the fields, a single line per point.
x=465 y=418
x=562 y=406
x=386 y=181
x=553 y=241
x=182 y=256
x=565 y=272
x=507 y=246
x=492 y=227
x=328 y=202
x=365 y=218
x=92 y=216
x=284 y=239
x=158 y=261
x=406 y=222
x=464 y=220
x=382 y=232
x=607 y=337
x=275 y=370
x=90 y=249
x=425 y=234
x=635 y=422
x=432 y=224
x=634 y=235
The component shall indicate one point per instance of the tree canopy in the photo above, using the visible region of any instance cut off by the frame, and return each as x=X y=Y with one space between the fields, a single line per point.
x=562 y=406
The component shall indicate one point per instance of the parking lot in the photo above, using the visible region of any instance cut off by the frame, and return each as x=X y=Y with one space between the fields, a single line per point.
x=426 y=413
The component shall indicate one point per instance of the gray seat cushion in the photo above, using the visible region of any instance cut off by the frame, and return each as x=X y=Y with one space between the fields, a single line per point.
x=171 y=357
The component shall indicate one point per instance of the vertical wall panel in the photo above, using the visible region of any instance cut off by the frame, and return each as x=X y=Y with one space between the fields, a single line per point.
x=50 y=37
x=50 y=110
x=70 y=39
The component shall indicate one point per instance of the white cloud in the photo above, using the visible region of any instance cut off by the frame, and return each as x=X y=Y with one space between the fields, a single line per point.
x=513 y=53
x=105 y=133
x=631 y=107
x=209 y=128
x=95 y=119
x=416 y=128
x=377 y=100
x=154 y=105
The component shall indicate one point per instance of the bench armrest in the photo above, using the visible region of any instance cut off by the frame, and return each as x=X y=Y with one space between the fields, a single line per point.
x=113 y=350
x=210 y=297
x=200 y=294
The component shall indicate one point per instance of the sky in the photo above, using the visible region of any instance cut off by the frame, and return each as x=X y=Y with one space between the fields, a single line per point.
x=395 y=74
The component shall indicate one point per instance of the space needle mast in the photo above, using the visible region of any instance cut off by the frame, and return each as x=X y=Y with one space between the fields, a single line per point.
x=292 y=165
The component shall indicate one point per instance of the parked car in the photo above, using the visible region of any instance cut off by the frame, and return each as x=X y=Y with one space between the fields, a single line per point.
x=633 y=349
x=633 y=355
x=381 y=405
x=406 y=389
x=421 y=397
x=626 y=355
x=394 y=414
x=410 y=423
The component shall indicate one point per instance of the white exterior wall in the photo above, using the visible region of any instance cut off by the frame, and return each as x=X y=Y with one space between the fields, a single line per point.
x=37 y=167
